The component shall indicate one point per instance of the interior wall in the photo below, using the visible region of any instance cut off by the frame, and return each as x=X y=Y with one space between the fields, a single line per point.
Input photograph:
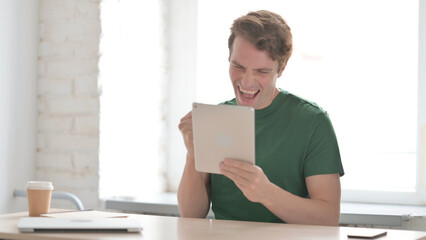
x=68 y=99
x=18 y=77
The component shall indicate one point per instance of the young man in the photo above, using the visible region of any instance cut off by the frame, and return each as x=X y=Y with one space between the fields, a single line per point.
x=296 y=178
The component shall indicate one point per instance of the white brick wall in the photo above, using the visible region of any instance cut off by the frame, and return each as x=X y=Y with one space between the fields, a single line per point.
x=68 y=98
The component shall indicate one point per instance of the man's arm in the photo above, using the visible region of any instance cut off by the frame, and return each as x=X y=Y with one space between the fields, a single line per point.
x=194 y=187
x=322 y=208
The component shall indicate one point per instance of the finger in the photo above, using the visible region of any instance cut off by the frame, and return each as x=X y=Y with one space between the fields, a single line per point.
x=235 y=173
x=238 y=180
x=184 y=127
x=246 y=166
x=185 y=124
x=187 y=116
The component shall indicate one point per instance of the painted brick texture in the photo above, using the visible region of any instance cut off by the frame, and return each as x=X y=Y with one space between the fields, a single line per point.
x=68 y=98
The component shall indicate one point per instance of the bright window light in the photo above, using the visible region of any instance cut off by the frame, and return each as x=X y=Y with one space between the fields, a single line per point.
x=131 y=78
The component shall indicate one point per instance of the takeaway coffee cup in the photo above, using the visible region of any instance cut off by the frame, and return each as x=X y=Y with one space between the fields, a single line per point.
x=38 y=194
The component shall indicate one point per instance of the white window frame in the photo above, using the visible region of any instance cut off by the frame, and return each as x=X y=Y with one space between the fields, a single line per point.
x=421 y=129
x=181 y=85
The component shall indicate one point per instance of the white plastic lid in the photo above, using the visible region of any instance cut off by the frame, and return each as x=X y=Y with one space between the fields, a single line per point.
x=39 y=185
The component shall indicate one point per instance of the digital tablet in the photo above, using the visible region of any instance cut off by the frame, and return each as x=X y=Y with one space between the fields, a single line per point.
x=222 y=131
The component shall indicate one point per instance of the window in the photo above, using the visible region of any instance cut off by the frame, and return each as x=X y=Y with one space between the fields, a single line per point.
x=131 y=74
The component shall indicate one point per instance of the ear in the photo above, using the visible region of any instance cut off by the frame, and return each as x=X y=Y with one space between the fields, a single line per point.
x=281 y=70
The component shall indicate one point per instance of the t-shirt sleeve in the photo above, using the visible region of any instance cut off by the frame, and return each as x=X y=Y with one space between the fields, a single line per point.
x=322 y=154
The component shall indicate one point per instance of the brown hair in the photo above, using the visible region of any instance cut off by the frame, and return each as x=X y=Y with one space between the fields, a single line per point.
x=266 y=30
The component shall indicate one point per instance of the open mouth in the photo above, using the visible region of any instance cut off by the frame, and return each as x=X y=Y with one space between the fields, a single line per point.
x=248 y=94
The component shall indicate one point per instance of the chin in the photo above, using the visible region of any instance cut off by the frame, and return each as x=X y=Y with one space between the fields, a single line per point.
x=242 y=102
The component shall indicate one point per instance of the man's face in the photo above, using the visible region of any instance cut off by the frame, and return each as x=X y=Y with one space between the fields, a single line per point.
x=253 y=74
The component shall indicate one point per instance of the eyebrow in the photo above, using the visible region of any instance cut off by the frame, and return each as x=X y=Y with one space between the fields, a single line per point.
x=236 y=63
x=257 y=69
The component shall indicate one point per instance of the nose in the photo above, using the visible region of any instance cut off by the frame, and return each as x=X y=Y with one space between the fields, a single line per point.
x=247 y=79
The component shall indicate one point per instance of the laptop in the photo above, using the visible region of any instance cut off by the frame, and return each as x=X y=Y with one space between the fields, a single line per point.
x=222 y=131
x=44 y=224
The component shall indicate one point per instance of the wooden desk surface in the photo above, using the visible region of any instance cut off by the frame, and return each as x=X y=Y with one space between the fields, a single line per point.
x=161 y=227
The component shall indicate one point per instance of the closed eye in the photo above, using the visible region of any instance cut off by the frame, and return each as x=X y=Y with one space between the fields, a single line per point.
x=236 y=66
x=263 y=71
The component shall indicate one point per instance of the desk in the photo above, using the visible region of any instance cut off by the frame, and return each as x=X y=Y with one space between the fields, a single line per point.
x=377 y=215
x=162 y=227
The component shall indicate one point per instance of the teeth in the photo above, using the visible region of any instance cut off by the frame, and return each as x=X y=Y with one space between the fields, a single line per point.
x=248 y=92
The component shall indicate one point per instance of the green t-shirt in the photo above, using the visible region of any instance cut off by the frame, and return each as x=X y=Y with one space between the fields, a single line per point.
x=294 y=140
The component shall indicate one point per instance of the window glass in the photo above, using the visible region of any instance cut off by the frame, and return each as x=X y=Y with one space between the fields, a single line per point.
x=131 y=160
